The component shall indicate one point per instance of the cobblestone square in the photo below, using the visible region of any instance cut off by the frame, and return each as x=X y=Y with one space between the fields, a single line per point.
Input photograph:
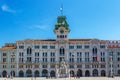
x=82 y=78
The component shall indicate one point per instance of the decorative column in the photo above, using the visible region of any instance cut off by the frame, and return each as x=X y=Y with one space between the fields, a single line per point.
x=56 y=70
x=111 y=63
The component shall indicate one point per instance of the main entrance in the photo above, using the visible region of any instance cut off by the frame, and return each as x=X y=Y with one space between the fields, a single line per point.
x=79 y=73
x=95 y=72
x=29 y=73
x=21 y=73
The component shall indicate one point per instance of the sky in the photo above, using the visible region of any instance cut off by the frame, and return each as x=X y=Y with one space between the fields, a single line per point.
x=35 y=19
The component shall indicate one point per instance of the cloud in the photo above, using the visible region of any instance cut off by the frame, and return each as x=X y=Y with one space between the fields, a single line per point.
x=6 y=8
x=41 y=27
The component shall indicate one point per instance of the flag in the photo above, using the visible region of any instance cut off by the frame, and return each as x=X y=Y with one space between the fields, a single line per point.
x=97 y=57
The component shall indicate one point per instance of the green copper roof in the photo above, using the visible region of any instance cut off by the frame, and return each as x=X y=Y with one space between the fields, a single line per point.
x=61 y=22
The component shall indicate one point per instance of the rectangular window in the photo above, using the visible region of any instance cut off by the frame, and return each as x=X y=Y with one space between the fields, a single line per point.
x=87 y=66
x=21 y=54
x=71 y=60
x=44 y=54
x=71 y=47
x=36 y=54
x=36 y=46
x=102 y=46
x=4 y=54
x=28 y=66
x=79 y=59
x=52 y=54
x=71 y=66
x=21 y=47
x=44 y=59
x=79 y=66
x=52 y=66
x=79 y=46
x=94 y=66
x=12 y=59
x=52 y=47
x=118 y=53
x=44 y=66
x=118 y=59
x=52 y=60
x=4 y=66
x=4 y=60
x=36 y=60
x=102 y=66
x=87 y=54
x=86 y=46
x=44 y=47
x=29 y=59
x=36 y=66
x=20 y=66
x=79 y=54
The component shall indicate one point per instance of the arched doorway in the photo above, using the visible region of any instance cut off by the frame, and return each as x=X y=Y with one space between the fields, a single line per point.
x=71 y=73
x=95 y=72
x=103 y=73
x=12 y=73
x=87 y=73
x=29 y=73
x=79 y=73
x=119 y=72
x=36 y=73
x=44 y=73
x=52 y=73
x=21 y=73
x=4 y=73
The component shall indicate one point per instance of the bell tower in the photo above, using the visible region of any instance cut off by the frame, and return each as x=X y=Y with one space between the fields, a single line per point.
x=61 y=27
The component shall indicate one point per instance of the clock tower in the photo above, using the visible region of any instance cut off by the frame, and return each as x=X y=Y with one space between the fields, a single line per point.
x=61 y=28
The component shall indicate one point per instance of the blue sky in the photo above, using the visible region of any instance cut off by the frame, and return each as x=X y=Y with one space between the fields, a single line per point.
x=35 y=19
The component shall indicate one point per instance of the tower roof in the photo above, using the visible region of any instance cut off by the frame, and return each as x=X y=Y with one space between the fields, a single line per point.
x=61 y=22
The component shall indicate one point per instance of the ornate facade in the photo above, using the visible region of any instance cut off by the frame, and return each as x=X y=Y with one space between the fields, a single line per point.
x=60 y=57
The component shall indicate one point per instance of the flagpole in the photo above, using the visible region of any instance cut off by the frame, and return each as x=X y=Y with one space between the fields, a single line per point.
x=61 y=9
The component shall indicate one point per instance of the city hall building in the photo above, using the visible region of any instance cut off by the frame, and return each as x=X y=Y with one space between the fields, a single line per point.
x=60 y=57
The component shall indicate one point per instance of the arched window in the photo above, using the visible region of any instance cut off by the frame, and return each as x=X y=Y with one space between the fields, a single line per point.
x=29 y=50
x=94 y=50
x=62 y=51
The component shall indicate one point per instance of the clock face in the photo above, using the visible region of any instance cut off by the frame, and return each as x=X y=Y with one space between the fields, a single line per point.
x=61 y=31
